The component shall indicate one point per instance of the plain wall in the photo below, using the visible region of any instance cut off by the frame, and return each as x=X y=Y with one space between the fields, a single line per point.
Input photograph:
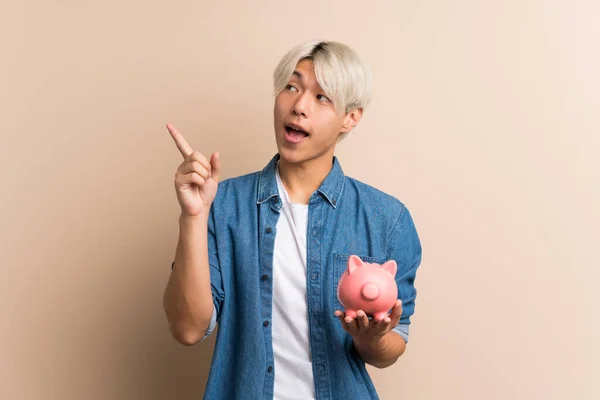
x=485 y=123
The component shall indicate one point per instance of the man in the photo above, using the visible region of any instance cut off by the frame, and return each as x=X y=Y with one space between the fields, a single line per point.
x=262 y=255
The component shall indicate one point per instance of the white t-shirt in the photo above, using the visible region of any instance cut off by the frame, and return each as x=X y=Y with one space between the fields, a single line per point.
x=291 y=343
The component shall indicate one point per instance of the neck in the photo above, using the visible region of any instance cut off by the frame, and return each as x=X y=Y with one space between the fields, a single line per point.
x=303 y=179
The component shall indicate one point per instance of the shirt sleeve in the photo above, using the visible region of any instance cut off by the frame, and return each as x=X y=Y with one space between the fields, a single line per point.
x=404 y=247
x=212 y=325
x=216 y=281
x=402 y=330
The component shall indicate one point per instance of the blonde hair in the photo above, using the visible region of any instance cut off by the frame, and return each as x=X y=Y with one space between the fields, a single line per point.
x=339 y=71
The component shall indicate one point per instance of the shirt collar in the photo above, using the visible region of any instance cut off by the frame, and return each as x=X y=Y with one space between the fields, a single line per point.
x=331 y=188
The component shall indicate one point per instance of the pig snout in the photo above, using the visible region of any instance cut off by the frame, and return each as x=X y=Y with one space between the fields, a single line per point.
x=370 y=291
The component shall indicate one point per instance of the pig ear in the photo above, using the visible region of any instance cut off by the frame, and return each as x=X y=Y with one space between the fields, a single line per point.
x=353 y=263
x=391 y=267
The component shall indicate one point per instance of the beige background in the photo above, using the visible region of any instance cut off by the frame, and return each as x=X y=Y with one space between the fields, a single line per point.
x=485 y=122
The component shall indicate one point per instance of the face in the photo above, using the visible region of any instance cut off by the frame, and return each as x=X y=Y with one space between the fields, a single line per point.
x=307 y=124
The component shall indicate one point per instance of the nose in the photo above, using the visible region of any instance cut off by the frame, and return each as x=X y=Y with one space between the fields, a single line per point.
x=301 y=106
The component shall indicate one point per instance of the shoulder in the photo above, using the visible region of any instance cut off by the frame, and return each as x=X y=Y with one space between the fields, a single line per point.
x=382 y=212
x=373 y=197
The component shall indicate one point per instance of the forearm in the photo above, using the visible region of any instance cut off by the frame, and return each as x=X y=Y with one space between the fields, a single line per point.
x=188 y=298
x=383 y=353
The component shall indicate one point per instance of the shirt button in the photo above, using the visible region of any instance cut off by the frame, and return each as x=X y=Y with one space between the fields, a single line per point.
x=269 y=229
x=315 y=276
x=266 y=323
x=270 y=369
x=264 y=277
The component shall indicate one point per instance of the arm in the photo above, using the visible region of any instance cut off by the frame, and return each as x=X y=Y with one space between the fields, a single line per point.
x=384 y=353
x=381 y=344
x=187 y=299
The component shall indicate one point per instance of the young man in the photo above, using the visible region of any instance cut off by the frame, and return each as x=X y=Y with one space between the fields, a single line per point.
x=262 y=255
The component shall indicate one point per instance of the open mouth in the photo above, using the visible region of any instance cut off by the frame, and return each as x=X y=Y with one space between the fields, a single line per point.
x=295 y=133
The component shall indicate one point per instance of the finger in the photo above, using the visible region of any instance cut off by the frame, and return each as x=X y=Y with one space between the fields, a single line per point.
x=192 y=177
x=384 y=324
x=194 y=166
x=199 y=157
x=363 y=321
x=341 y=317
x=396 y=313
x=377 y=327
x=184 y=148
x=352 y=325
x=215 y=163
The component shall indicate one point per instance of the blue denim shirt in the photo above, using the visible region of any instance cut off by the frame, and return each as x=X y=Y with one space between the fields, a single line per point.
x=345 y=217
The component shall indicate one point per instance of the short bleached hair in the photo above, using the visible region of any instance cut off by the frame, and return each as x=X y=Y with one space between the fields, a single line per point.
x=339 y=71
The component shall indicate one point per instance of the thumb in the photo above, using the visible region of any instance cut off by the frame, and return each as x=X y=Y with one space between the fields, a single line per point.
x=215 y=165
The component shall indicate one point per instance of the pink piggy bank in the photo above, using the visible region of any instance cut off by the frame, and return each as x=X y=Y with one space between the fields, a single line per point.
x=369 y=287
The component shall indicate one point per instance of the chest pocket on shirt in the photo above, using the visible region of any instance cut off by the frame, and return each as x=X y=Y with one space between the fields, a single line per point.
x=340 y=264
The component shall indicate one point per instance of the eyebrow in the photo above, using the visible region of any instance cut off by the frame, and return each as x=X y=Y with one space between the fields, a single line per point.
x=298 y=74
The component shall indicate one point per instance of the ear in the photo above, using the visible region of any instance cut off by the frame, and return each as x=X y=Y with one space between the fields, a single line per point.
x=351 y=119
x=391 y=267
x=354 y=262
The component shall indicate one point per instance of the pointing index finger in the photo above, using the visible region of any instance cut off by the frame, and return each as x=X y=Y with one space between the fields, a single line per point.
x=184 y=148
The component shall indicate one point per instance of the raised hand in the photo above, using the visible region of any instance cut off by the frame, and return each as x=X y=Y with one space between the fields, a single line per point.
x=196 y=179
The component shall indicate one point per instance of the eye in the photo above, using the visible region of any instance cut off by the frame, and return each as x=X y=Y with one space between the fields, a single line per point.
x=291 y=88
x=323 y=98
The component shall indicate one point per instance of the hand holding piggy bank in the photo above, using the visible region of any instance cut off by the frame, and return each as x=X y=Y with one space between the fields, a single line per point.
x=369 y=287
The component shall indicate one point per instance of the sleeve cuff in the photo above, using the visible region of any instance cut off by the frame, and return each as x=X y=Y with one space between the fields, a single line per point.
x=213 y=323
x=402 y=330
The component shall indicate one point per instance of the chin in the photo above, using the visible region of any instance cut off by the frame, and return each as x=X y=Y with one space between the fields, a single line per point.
x=289 y=155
